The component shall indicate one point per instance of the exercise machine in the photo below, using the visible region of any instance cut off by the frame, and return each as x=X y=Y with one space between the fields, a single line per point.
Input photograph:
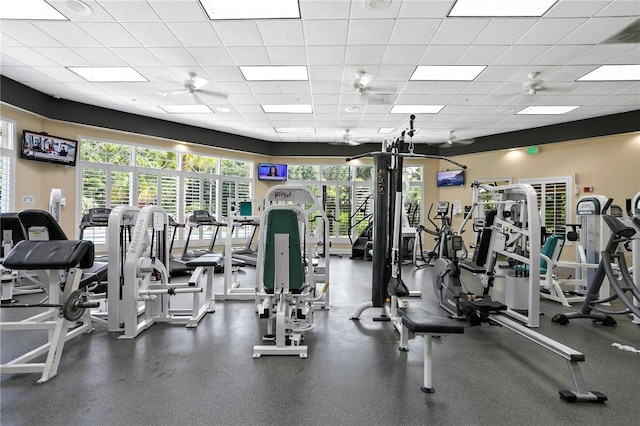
x=243 y=213
x=146 y=279
x=285 y=295
x=61 y=264
x=612 y=265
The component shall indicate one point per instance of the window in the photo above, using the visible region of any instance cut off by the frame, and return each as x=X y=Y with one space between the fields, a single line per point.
x=115 y=173
x=554 y=202
x=7 y=165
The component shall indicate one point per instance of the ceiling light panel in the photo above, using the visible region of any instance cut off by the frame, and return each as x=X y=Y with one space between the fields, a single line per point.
x=547 y=110
x=613 y=73
x=187 y=109
x=501 y=7
x=293 y=109
x=29 y=9
x=273 y=73
x=251 y=9
x=445 y=72
x=111 y=74
x=416 y=109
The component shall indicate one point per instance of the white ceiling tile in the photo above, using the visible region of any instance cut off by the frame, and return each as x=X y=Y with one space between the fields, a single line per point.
x=370 y=31
x=325 y=33
x=296 y=88
x=63 y=56
x=395 y=72
x=174 y=56
x=239 y=87
x=414 y=31
x=287 y=55
x=573 y=8
x=621 y=8
x=28 y=34
x=28 y=74
x=194 y=34
x=99 y=57
x=425 y=9
x=110 y=34
x=28 y=56
x=442 y=55
x=9 y=41
x=131 y=11
x=596 y=30
x=550 y=31
x=520 y=55
x=504 y=31
x=249 y=55
x=358 y=11
x=137 y=56
x=629 y=56
x=68 y=34
x=326 y=55
x=560 y=54
x=258 y=87
x=459 y=31
x=281 y=32
x=152 y=34
x=225 y=73
x=325 y=72
x=481 y=55
x=178 y=11
x=207 y=56
x=364 y=55
x=324 y=9
x=86 y=88
x=238 y=33
x=402 y=54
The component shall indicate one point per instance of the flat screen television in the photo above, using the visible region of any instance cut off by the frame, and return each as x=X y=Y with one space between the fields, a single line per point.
x=47 y=148
x=268 y=171
x=450 y=178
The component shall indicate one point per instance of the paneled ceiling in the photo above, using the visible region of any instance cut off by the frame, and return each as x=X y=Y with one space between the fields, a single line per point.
x=167 y=40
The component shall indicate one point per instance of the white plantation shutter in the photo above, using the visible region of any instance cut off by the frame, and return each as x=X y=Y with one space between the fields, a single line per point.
x=554 y=202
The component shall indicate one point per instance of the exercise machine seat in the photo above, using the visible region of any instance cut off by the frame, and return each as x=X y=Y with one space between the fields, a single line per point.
x=50 y=255
x=283 y=222
x=420 y=321
x=552 y=249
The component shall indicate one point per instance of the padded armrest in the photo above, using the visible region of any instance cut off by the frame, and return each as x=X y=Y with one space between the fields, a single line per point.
x=58 y=254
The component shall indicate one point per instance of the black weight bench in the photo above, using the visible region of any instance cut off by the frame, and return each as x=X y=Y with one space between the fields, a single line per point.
x=423 y=323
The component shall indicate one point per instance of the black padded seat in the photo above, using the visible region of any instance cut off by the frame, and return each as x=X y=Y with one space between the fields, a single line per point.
x=59 y=254
x=420 y=321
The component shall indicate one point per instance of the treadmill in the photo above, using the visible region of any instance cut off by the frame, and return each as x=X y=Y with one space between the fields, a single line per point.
x=246 y=253
x=197 y=219
x=176 y=266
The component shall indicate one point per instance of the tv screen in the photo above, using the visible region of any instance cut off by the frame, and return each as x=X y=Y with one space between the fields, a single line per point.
x=272 y=171
x=450 y=178
x=51 y=149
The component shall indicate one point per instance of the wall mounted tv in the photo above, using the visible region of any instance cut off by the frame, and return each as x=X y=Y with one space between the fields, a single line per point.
x=450 y=178
x=272 y=171
x=51 y=149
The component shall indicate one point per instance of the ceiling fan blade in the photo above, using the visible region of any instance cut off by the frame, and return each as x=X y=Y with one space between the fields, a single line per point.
x=214 y=93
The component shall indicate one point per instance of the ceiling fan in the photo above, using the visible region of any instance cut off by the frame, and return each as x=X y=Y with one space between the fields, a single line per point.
x=451 y=140
x=193 y=86
x=362 y=85
x=534 y=84
x=348 y=139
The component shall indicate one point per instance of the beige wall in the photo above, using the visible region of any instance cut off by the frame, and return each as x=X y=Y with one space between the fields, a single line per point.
x=611 y=165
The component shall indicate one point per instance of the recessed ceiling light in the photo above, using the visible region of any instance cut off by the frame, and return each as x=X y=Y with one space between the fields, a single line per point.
x=547 y=110
x=79 y=7
x=501 y=7
x=275 y=72
x=187 y=109
x=110 y=74
x=447 y=72
x=292 y=108
x=613 y=73
x=29 y=9
x=376 y=5
x=251 y=9
x=223 y=109
x=352 y=108
x=416 y=109
x=295 y=129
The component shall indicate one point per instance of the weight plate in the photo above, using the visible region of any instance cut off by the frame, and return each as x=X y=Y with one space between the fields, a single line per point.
x=70 y=309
